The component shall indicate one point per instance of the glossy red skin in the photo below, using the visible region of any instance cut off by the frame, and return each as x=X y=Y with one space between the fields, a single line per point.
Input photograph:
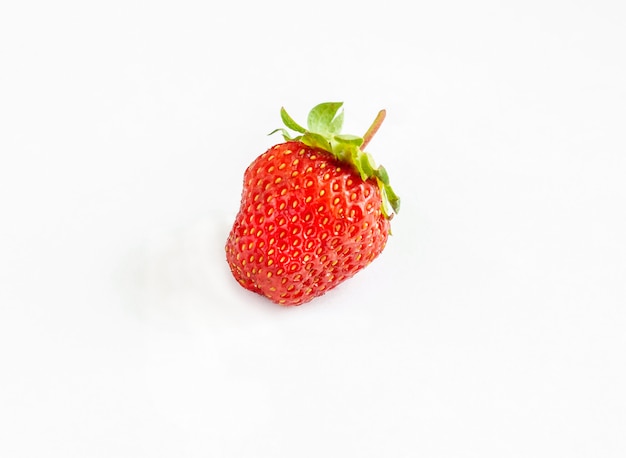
x=307 y=222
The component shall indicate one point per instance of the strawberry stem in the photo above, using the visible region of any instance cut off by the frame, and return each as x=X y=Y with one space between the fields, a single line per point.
x=380 y=117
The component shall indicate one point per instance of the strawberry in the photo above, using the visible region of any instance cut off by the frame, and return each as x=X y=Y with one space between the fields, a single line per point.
x=314 y=211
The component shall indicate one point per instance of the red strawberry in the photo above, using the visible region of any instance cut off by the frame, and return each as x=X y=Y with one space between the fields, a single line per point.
x=314 y=211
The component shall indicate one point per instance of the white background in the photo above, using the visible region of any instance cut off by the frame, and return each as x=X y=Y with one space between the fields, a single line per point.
x=493 y=325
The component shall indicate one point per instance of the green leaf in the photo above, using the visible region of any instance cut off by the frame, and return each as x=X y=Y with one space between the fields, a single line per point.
x=323 y=118
x=365 y=167
x=336 y=124
x=348 y=139
x=284 y=132
x=316 y=141
x=386 y=206
x=289 y=122
x=370 y=160
x=393 y=198
x=382 y=175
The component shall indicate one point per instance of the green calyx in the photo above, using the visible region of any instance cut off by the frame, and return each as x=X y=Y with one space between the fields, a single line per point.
x=323 y=131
